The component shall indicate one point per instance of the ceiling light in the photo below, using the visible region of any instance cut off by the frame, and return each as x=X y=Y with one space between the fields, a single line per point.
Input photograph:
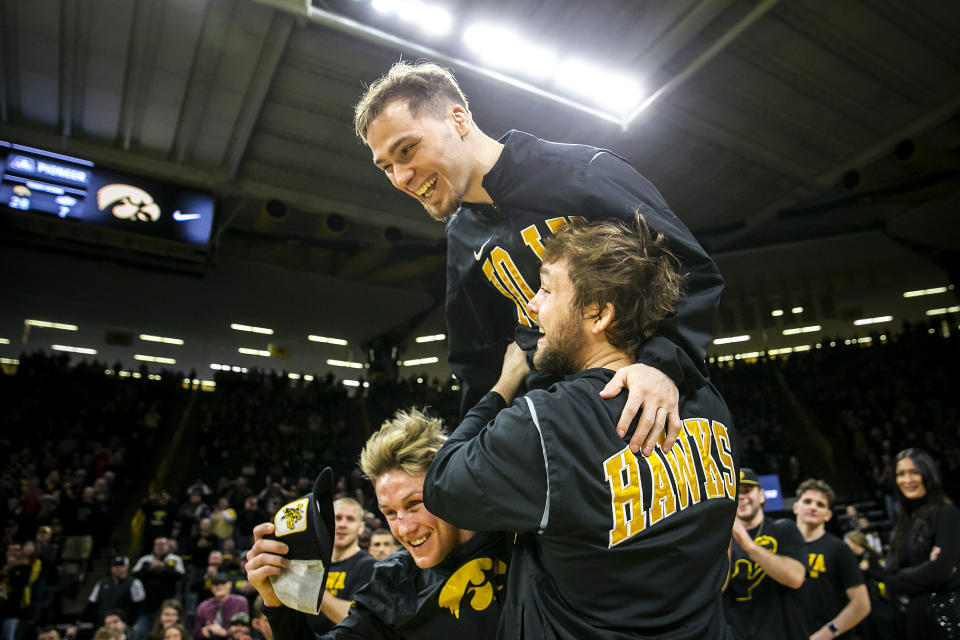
x=796 y=310
x=351 y=383
x=433 y=338
x=809 y=329
x=50 y=325
x=731 y=339
x=63 y=347
x=154 y=376
x=502 y=47
x=9 y=361
x=804 y=347
x=345 y=363
x=293 y=376
x=776 y=313
x=385 y=6
x=876 y=320
x=4 y=341
x=940 y=312
x=924 y=292
x=254 y=352
x=308 y=378
x=149 y=338
x=338 y=341
x=748 y=355
x=614 y=91
x=433 y=20
x=413 y=363
x=157 y=359
x=246 y=327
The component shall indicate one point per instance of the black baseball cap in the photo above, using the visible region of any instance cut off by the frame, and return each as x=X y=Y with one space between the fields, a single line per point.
x=220 y=578
x=306 y=524
x=120 y=560
x=749 y=477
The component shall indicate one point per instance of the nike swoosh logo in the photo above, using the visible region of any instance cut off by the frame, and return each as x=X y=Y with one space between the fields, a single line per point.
x=478 y=254
x=180 y=217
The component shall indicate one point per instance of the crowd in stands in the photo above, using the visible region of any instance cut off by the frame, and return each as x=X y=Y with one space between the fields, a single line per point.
x=79 y=448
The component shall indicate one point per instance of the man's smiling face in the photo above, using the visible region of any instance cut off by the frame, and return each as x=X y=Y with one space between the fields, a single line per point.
x=425 y=156
x=428 y=538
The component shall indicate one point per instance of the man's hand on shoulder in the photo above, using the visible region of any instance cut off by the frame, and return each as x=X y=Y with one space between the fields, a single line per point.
x=656 y=394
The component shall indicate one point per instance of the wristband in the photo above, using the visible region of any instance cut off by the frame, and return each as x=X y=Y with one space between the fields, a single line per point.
x=833 y=628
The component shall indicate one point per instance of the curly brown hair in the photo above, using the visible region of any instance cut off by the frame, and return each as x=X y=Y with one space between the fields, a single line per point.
x=625 y=265
x=426 y=88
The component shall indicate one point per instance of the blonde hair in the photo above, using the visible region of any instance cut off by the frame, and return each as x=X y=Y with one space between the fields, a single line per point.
x=425 y=87
x=408 y=441
x=353 y=503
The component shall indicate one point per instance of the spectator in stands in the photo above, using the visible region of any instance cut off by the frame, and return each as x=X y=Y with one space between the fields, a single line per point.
x=160 y=572
x=160 y=512
x=213 y=615
x=47 y=551
x=382 y=544
x=115 y=620
x=107 y=633
x=48 y=633
x=924 y=550
x=16 y=580
x=259 y=621
x=189 y=515
x=238 y=492
x=833 y=597
x=117 y=591
x=350 y=566
x=881 y=624
x=176 y=632
x=171 y=613
x=764 y=607
x=240 y=626
x=80 y=521
x=223 y=519
x=863 y=526
x=250 y=516
x=199 y=549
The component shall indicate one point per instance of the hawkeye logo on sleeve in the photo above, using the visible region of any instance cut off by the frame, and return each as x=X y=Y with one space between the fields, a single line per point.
x=292 y=518
x=479 y=580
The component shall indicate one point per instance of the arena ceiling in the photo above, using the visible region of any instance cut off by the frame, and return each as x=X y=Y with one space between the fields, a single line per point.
x=772 y=128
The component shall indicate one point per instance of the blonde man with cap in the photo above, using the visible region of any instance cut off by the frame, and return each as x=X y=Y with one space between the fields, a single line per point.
x=446 y=582
x=766 y=568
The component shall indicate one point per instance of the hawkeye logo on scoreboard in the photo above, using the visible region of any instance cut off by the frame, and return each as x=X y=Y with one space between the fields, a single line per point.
x=129 y=203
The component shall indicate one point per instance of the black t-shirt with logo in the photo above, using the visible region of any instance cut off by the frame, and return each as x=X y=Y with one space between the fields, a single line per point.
x=344 y=579
x=831 y=570
x=757 y=606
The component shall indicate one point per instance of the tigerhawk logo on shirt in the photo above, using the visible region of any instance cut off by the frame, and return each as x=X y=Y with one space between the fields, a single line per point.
x=477 y=579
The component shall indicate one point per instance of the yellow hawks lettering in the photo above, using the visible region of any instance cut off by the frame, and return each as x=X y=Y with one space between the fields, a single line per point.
x=478 y=580
x=672 y=478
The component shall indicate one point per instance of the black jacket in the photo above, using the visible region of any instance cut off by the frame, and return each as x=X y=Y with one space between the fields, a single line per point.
x=610 y=545
x=493 y=257
x=459 y=598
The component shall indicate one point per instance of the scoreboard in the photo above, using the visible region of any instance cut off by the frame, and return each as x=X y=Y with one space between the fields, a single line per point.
x=44 y=182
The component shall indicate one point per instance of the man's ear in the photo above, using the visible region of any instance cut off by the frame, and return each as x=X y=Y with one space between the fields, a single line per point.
x=461 y=119
x=604 y=318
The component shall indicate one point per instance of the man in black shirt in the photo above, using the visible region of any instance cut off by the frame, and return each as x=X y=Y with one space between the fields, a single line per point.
x=767 y=566
x=350 y=566
x=501 y=199
x=446 y=582
x=610 y=545
x=833 y=598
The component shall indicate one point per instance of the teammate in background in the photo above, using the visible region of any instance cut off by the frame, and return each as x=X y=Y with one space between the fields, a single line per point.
x=608 y=544
x=508 y=195
x=767 y=566
x=445 y=582
x=833 y=598
x=382 y=544
x=350 y=566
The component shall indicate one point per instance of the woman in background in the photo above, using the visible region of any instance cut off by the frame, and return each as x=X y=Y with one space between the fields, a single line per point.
x=924 y=551
x=171 y=613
